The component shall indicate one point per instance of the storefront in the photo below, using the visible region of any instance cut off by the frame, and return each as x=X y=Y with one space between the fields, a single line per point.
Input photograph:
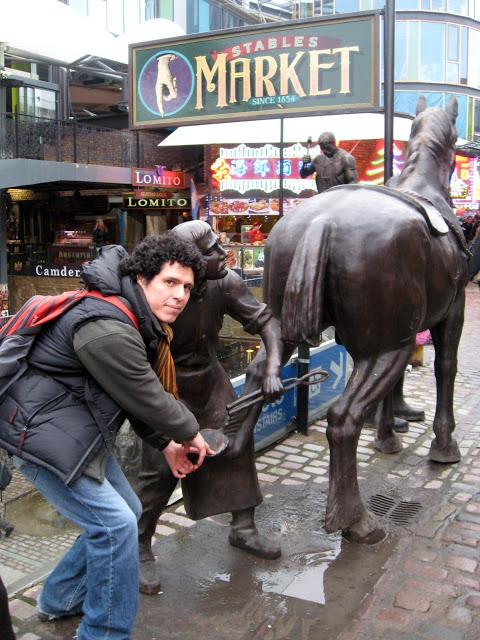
x=51 y=233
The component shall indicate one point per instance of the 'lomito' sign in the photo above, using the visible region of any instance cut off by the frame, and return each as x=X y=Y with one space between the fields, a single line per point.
x=303 y=67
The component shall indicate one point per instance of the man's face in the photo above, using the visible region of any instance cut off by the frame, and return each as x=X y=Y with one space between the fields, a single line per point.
x=169 y=291
x=215 y=255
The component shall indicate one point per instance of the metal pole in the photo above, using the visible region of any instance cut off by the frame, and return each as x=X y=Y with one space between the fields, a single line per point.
x=15 y=129
x=280 y=190
x=75 y=138
x=303 y=366
x=388 y=84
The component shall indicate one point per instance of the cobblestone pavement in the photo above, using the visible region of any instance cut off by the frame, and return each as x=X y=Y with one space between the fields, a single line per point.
x=421 y=583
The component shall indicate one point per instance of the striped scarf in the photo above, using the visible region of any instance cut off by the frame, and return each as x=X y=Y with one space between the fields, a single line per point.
x=164 y=365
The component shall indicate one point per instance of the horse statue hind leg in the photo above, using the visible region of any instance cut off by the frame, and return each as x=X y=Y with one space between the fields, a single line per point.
x=366 y=261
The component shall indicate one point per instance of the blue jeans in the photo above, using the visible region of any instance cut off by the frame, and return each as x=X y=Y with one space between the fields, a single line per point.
x=99 y=574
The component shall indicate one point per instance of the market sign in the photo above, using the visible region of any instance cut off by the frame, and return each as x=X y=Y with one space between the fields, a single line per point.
x=300 y=68
x=160 y=177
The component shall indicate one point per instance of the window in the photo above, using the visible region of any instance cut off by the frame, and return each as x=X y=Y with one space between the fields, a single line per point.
x=401 y=51
x=438 y=5
x=458 y=6
x=464 y=56
x=473 y=67
x=432 y=58
x=406 y=4
x=158 y=9
x=453 y=54
x=346 y=6
x=476 y=119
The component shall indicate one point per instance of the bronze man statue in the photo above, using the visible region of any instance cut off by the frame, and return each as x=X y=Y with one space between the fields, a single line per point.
x=227 y=485
x=332 y=167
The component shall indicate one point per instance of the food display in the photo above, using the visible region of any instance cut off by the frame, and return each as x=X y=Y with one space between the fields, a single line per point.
x=259 y=207
x=231 y=259
x=219 y=207
x=237 y=207
x=252 y=206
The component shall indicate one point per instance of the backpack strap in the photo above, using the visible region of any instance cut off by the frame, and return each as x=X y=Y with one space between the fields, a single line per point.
x=116 y=303
x=41 y=310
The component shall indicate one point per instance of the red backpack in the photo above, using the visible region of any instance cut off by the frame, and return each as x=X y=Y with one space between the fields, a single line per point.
x=39 y=310
x=18 y=335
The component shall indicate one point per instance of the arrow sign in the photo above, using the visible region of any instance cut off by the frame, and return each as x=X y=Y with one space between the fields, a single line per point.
x=337 y=369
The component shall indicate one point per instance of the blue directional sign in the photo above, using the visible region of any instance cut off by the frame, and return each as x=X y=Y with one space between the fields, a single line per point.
x=277 y=419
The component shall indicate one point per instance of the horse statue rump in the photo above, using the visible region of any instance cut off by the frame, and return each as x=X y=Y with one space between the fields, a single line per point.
x=368 y=262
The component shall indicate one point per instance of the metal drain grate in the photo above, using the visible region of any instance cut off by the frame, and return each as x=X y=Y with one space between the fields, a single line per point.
x=400 y=512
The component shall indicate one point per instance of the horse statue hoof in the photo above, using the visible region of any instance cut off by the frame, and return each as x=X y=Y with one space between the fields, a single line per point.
x=393 y=444
x=366 y=531
x=447 y=455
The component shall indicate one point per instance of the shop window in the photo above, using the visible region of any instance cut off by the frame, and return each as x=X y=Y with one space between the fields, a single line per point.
x=432 y=59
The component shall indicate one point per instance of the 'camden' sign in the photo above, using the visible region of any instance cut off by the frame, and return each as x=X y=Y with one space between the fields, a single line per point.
x=301 y=68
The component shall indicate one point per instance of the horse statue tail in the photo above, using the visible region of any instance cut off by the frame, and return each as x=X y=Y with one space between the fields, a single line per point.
x=302 y=308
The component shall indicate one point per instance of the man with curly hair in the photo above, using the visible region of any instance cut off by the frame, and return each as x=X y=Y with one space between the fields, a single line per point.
x=87 y=371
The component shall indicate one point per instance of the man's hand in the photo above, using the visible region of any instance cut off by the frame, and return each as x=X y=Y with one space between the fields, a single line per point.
x=198 y=446
x=176 y=457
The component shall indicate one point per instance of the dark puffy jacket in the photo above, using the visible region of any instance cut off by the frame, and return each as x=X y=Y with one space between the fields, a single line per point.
x=55 y=414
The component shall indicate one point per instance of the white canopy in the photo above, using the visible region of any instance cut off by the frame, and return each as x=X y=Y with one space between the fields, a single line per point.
x=348 y=126
x=55 y=31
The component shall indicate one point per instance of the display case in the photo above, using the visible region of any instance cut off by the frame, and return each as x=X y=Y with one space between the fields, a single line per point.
x=246 y=259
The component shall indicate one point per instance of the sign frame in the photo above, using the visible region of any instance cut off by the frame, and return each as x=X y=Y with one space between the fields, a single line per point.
x=213 y=38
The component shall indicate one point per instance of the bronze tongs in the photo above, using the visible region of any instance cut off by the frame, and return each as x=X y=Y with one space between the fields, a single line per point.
x=218 y=441
x=317 y=375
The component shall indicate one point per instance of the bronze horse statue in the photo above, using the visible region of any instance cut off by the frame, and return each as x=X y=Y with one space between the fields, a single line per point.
x=379 y=264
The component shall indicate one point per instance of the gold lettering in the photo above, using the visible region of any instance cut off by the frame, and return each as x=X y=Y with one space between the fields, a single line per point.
x=345 y=66
x=288 y=74
x=243 y=74
x=263 y=77
x=315 y=65
x=203 y=71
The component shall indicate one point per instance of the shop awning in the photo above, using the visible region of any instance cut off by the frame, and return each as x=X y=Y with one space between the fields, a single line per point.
x=349 y=126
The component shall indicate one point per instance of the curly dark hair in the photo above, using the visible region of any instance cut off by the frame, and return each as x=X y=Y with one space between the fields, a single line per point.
x=153 y=252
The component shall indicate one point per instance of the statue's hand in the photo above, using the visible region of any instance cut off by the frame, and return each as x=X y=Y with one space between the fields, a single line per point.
x=272 y=387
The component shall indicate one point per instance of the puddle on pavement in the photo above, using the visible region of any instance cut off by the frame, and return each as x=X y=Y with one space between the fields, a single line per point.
x=32 y=515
